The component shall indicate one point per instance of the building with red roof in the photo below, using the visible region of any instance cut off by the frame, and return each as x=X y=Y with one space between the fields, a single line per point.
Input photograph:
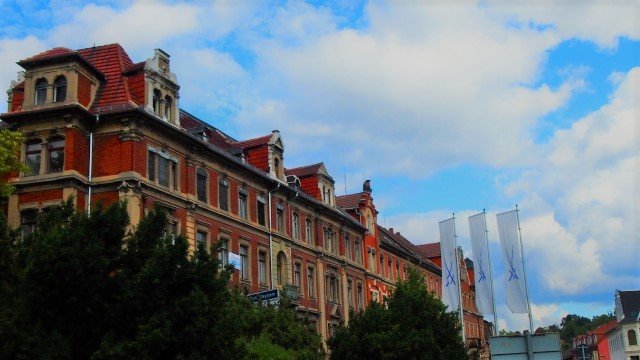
x=101 y=128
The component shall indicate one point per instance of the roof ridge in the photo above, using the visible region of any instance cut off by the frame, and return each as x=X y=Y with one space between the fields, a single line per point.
x=305 y=166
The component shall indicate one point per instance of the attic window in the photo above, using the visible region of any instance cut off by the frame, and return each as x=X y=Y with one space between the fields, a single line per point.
x=60 y=89
x=41 y=91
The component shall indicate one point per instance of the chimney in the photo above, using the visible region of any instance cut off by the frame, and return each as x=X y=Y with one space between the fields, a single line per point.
x=391 y=230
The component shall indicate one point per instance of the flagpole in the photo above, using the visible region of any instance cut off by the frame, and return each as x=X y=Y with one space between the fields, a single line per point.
x=524 y=272
x=493 y=297
x=455 y=246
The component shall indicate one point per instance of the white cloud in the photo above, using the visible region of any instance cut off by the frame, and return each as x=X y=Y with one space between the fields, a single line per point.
x=11 y=51
x=444 y=89
x=601 y=21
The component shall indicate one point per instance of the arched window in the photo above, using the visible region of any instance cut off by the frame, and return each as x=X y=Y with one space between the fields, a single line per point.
x=281 y=266
x=60 y=89
x=631 y=337
x=34 y=151
x=157 y=97
x=56 y=154
x=168 y=102
x=41 y=91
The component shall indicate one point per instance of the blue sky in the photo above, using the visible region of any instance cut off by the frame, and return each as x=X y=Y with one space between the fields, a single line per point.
x=446 y=108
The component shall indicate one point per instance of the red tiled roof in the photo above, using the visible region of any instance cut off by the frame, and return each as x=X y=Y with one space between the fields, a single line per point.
x=214 y=136
x=246 y=144
x=303 y=171
x=349 y=201
x=429 y=250
x=605 y=328
x=111 y=60
x=51 y=53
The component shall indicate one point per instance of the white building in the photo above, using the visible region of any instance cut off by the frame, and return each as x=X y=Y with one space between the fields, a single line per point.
x=623 y=338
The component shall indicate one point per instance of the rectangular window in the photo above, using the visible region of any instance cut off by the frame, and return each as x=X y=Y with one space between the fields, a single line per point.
x=223 y=194
x=309 y=231
x=28 y=221
x=262 y=267
x=311 y=281
x=163 y=171
x=151 y=169
x=223 y=252
x=56 y=155
x=350 y=292
x=34 y=151
x=280 y=217
x=332 y=287
x=244 y=262
x=358 y=252
x=296 y=274
x=242 y=203
x=295 y=226
x=201 y=184
x=347 y=248
x=261 y=204
x=201 y=239
x=360 y=297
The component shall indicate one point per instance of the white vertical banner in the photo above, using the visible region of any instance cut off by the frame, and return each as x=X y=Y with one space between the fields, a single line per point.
x=516 y=289
x=481 y=266
x=448 y=253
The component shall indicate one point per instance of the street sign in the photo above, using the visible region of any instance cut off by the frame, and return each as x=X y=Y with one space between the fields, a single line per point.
x=268 y=297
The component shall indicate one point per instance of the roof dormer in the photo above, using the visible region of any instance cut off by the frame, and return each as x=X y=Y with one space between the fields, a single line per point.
x=56 y=77
x=161 y=87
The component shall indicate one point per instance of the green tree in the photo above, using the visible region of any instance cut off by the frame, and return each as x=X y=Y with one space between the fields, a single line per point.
x=412 y=324
x=80 y=287
x=10 y=142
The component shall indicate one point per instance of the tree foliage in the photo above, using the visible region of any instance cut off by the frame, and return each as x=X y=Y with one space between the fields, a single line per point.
x=10 y=142
x=411 y=324
x=80 y=287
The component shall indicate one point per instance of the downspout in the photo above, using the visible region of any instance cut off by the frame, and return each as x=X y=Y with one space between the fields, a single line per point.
x=271 y=235
x=91 y=166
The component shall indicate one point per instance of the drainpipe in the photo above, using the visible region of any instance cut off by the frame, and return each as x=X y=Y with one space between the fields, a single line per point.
x=271 y=236
x=91 y=165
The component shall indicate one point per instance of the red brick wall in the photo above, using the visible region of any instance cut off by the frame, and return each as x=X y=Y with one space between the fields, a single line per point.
x=259 y=157
x=84 y=90
x=106 y=198
x=16 y=100
x=309 y=185
x=108 y=156
x=136 y=87
x=140 y=157
x=77 y=151
x=40 y=196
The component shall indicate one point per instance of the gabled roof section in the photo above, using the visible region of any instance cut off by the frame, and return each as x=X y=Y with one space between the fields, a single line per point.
x=307 y=170
x=216 y=137
x=56 y=55
x=255 y=142
x=429 y=250
x=350 y=201
x=406 y=246
x=111 y=60
x=630 y=301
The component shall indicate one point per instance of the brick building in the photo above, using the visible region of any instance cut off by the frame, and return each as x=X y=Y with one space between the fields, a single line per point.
x=474 y=325
x=101 y=128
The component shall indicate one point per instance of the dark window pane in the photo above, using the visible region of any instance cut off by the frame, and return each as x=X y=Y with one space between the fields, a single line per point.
x=202 y=185
x=163 y=171
x=33 y=157
x=152 y=166
x=223 y=192
x=56 y=155
x=41 y=91
x=60 y=89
